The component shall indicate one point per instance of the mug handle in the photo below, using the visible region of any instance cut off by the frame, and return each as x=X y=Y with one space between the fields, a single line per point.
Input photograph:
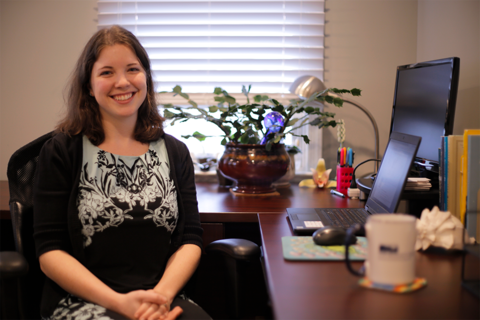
x=350 y=234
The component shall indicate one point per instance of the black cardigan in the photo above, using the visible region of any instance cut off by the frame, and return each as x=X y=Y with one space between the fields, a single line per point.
x=55 y=193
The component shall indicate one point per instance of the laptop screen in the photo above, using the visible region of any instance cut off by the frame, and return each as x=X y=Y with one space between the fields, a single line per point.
x=393 y=172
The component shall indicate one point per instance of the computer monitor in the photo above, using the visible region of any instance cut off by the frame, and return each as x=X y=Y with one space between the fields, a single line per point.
x=424 y=105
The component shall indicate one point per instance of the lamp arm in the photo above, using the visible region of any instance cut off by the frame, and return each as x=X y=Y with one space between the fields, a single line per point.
x=375 y=128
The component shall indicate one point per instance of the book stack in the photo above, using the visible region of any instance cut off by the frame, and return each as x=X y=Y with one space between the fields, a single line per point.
x=459 y=178
x=418 y=184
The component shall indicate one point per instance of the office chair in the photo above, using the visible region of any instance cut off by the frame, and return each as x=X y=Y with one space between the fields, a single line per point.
x=20 y=274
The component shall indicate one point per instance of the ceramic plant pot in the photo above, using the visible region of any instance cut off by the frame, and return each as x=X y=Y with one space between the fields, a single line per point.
x=284 y=181
x=252 y=167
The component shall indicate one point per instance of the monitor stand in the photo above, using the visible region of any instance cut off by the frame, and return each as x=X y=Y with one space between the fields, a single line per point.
x=417 y=200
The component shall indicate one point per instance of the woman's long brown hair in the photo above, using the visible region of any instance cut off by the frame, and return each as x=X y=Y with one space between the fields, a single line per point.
x=83 y=114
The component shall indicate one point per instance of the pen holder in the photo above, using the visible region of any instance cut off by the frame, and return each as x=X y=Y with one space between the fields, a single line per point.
x=344 y=178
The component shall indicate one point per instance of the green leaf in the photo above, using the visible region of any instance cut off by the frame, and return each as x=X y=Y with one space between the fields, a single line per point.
x=293 y=149
x=227 y=130
x=268 y=146
x=184 y=95
x=245 y=91
x=253 y=140
x=199 y=136
x=305 y=139
x=339 y=90
x=278 y=137
x=217 y=90
x=338 y=102
x=193 y=103
x=244 y=138
x=328 y=114
x=224 y=141
x=213 y=109
x=356 y=92
x=168 y=114
x=275 y=102
x=332 y=123
x=177 y=89
x=329 y=99
x=292 y=122
x=315 y=122
x=230 y=99
x=260 y=98
x=279 y=108
x=309 y=110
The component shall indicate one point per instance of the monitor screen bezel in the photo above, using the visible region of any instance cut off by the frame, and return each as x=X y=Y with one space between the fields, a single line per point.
x=454 y=62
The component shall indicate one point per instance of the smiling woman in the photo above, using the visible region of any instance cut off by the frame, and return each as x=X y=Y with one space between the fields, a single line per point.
x=116 y=218
x=118 y=82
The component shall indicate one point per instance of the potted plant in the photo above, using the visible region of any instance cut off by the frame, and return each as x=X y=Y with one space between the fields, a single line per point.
x=252 y=133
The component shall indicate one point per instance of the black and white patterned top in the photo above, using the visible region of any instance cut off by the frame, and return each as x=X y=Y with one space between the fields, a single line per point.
x=128 y=209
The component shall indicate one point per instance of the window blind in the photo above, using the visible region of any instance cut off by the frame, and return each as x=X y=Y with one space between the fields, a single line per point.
x=227 y=43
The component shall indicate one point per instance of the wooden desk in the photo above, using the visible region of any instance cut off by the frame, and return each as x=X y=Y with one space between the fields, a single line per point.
x=217 y=204
x=326 y=290
x=225 y=215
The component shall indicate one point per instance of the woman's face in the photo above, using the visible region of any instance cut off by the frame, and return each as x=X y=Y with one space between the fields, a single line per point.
x=118 y=83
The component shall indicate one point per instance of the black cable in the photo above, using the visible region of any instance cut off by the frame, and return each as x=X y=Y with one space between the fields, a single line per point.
x=353 y=184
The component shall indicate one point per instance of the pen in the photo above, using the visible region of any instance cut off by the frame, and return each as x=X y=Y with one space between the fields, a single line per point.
x=349 y=156
x=335 y=192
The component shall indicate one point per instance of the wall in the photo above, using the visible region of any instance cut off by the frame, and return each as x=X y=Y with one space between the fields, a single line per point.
x=366 y=40
x=452 y=28
x=39 y=44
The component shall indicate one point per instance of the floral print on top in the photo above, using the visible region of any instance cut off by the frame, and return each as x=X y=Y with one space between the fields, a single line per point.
x=112 y=185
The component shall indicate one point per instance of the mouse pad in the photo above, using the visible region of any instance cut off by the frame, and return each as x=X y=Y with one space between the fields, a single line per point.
x=303 y=248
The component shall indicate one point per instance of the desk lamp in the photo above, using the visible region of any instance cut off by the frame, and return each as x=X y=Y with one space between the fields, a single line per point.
x=305 y=86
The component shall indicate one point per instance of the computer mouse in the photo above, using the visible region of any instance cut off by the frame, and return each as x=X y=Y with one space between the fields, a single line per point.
x=331 y=236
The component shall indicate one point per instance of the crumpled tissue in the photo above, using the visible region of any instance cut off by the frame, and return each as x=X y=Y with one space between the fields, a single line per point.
x=440 y=229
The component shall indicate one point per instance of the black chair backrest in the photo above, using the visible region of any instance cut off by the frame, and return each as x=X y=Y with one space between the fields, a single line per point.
x=21 y=172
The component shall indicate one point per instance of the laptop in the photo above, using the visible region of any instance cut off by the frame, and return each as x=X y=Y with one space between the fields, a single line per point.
x=384 y=197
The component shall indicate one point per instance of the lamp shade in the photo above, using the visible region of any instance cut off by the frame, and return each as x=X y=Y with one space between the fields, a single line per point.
x=305 y=86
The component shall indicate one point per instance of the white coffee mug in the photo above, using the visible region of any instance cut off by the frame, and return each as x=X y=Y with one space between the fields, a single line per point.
x=391 y=249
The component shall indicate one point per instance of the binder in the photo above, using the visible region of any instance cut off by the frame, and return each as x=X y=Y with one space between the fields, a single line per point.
x=473 y=187
x=464 y=173
x=444 y=204
x=455 y=152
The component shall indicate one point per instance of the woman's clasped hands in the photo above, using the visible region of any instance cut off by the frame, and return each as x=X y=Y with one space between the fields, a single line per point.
x=148 y=305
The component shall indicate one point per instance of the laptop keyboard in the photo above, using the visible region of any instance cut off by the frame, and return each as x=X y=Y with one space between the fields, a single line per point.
x=344 y=218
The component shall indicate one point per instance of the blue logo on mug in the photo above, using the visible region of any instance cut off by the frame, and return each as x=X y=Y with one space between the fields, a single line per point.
x=388 y=248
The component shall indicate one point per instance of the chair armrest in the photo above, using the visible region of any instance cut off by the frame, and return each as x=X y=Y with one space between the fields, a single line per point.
x=12 y=265
x=238 y=249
